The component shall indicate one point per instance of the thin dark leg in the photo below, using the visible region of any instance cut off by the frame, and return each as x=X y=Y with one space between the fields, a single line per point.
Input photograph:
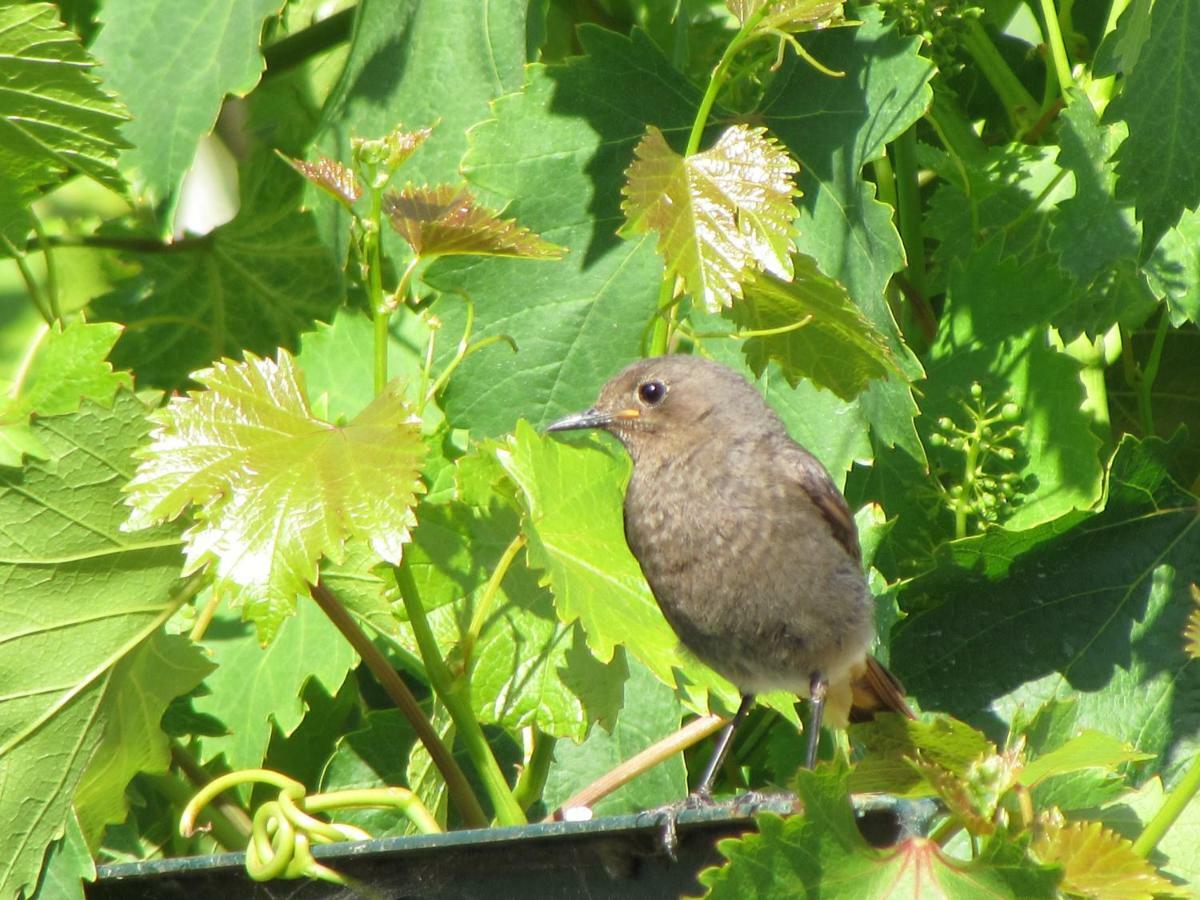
x=721 y=750
x=817 y=687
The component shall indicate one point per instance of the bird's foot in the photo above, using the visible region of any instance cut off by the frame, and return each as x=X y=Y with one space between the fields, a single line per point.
x=752 y=802
x=667 y=818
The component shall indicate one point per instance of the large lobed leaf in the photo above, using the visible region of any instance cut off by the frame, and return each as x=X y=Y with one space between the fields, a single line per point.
x=278 y=488
x=720 y=215
x=55 y=120
x=821 y=852
x=835 y=346
x=253 y=284
x=75 y=726
x=1099 y=601
x=174 y=64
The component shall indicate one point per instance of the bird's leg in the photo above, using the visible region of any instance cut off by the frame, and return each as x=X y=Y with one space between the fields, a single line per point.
x=702 y=795
x=817 y=686
x=721 y=750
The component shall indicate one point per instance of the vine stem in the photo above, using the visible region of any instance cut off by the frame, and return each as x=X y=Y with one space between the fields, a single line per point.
x=661 y=336
x=692 y=733
x=1058 y=50
x=1019 y=102
x=455 y=694
x=1146 y=379
x=456 y=781
x=1173 y=806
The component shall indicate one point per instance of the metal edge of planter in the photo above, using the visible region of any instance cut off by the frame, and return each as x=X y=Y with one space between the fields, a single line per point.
x=603 y=858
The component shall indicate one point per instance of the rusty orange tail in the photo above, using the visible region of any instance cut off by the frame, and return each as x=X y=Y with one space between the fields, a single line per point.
x=875 y=689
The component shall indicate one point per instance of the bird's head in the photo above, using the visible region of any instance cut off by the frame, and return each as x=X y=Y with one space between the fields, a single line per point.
x=669 y=400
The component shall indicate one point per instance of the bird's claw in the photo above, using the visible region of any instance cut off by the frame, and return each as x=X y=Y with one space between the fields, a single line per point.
x=668 y=816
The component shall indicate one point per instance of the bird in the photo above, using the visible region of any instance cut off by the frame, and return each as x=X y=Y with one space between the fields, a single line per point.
x=748 y=547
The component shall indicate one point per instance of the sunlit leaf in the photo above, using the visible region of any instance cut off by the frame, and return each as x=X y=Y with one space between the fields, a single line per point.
x=821 y=853
x=277 y=487
x=819 y=333
x=1099 y=863
x=891 y=741
x=973 y=795
x=1090 y=750
x=720 y=214
x=445 y=221
x=1192 y=631
x=55 y=120
x=787 y=15
x=330 y=176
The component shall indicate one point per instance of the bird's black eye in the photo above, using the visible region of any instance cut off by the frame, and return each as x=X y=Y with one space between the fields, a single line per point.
x=651 y=392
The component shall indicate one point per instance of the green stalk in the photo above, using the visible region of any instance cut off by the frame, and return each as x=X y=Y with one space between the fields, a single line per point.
x=532 y=781
x=661 y=337
x=1058 y=50
x=31 y=283
x=1173 y=806
x=455 y=693
x=460 y=790
x=1019 y=102
x=484 y=608
x=379 y=312
x=1145 y=381
x=962 y=505
x=1101 y=91
x=51 y=270
x=955 y=130
x=178 y=792
x=908 y=195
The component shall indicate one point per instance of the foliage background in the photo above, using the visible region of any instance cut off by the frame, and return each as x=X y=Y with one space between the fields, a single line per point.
x=1005 y=196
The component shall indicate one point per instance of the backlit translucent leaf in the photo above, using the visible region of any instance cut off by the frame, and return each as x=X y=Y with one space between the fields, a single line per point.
x=837 y=347
x=720 y=214
x=891 y=741
x=445 y=221
x=787 y=15
x=330 y=176
x=55 y=120
x=822 y=854
x=80 y=601
x=67 y=366
x=1098 y=863
x=278 y=487
x=1090 y=750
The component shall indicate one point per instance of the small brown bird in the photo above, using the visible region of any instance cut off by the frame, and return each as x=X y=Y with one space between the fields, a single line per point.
x=748 y=546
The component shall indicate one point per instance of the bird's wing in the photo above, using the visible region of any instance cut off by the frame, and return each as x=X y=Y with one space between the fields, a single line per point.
x=812 y=478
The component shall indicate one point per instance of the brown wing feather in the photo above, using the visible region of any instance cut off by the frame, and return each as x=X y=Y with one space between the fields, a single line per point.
x=815 y=481
x=875 y=689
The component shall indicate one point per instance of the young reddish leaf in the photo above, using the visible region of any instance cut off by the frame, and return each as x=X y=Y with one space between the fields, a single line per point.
x=330 y=176
x=445 y=221
x=1192 y=631
x=720 y=215
x=819 y=333
x=1097 y=862
x=278 y=488
x=787 y=15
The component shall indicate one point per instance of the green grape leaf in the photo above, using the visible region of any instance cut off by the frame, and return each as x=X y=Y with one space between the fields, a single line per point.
x=720 y=214
x=444 y=221
x=1090 y=750
x=834 y=345
x=1175 y=853
x=1157 y=167
x=787 y=15
x=891 y=741
x=55 y=119
x=1097 y=862
x=1098 y=601
x=1191 y=633
x=255 y=687
x=174 y=65
x=74 y=580
x=554 y=157
x=66 y=367
x=821 y=853
x=572 y=520
x=277 y=487
x=253 y=284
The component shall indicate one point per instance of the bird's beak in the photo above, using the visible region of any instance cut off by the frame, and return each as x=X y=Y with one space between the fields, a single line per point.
x=589 y=418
